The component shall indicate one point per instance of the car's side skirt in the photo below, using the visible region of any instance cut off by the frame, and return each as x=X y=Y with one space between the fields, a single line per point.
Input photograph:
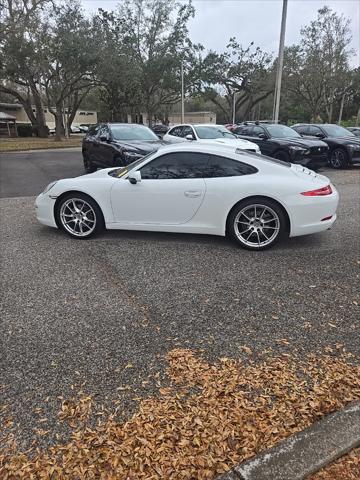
x=168 y=228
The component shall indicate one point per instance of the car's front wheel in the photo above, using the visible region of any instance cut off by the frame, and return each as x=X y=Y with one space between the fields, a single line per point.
x=338 y=158
x=79 y=216
x=257 y=223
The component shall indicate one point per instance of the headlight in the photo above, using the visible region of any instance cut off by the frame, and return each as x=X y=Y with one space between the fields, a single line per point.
x=298 y=149
x=131 y=154
x=49 y=187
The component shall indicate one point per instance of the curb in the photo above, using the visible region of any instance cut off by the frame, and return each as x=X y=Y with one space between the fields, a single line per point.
x=305 y=452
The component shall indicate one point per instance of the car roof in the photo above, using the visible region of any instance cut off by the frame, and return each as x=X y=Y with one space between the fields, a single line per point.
x=198 y=125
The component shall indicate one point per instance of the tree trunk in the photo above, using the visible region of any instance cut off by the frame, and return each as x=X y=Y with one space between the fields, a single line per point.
x=42 y=130
x=59 y=125
x=341 y=108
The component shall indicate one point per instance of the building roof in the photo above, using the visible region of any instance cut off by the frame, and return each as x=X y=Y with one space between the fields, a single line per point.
x=13 y=106
x=6 y=117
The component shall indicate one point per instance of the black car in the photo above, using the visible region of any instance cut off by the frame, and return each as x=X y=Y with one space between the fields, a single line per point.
x=354 y=130
x=117 y=144
x=160 y=129
x=344 y=146
x=280 y=141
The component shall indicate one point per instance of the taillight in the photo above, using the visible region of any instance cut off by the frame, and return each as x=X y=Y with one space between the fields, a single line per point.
x=319 y=192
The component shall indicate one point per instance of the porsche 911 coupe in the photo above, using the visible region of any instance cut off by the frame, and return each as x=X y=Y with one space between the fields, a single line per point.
x=195 y=188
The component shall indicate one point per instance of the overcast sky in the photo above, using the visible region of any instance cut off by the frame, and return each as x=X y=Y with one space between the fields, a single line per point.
x=254 y=20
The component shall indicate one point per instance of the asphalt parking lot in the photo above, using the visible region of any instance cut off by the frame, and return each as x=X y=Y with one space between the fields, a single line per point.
x=105 y=311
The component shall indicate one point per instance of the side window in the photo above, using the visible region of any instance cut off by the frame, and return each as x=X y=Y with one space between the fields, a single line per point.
x=176 y=131
x=103 y=130
x=240 y=130
x=302 y=129
x=257 y=130
x=187 y=130
x=175 y=166
x=313 y=130
x=225 y=167
x=93 y=131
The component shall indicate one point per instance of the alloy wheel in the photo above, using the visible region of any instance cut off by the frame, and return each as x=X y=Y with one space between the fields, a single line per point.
x=338 y=159
x=257 y=225
x=78 y=217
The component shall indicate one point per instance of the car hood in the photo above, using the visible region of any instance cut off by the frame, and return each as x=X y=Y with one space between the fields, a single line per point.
x=301 y=142
x=140 y=146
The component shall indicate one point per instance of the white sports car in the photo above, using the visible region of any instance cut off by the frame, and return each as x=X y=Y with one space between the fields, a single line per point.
x=193 y=188
x=208 y=133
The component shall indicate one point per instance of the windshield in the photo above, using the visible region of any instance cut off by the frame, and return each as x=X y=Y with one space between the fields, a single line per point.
x=132 y=132
x=336 y=131
x=119 y=172
x=282 y=131
x=208 y=132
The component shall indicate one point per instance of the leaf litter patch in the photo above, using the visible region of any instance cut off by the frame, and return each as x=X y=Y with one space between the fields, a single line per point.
x=209 y=418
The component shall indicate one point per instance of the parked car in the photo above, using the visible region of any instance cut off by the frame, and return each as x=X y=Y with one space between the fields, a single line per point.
x=160 y=130
x=344 y=146
x=280 y=141
x=230 y=126
x=117 y=144
x=355 y=131
x=195 y=188
x=208 y=133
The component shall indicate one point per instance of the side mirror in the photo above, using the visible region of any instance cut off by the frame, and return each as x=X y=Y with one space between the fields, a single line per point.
x=319 y=135
x=262 y=136
x=189 y=137
x=104 y=138
x=134 y=177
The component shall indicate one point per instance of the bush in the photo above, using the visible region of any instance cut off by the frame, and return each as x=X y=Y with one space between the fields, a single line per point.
x=25 y=130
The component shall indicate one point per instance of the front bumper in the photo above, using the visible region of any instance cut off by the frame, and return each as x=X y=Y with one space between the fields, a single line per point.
x=44 y=208
x=354 y=155
x=311 y=160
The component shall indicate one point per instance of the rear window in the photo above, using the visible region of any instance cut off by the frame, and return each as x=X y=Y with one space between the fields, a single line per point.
x=264 y=158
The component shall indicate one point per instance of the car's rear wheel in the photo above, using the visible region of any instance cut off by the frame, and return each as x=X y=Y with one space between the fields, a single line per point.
x=257 y=223
x=281 y=155
x=88 y=165
x=79 y=216
x=338 y=158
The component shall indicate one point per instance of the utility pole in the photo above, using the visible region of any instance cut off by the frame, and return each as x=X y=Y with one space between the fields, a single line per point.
x=182 y=93
x=280 y=64
x=234 y=107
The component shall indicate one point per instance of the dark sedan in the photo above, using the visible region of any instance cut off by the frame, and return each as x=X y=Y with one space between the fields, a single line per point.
x=280 y=141
x=117 y=144
x=344 y=146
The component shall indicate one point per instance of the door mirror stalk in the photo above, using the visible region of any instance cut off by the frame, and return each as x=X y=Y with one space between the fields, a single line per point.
x=134 y=177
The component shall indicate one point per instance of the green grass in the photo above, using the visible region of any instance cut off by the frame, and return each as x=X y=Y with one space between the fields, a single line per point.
x=34 y=143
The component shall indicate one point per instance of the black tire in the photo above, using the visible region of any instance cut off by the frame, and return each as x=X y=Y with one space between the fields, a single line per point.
x=260 y=229
x=85 y=223
x=338 y=158
x=281 y=155
x=88 y=165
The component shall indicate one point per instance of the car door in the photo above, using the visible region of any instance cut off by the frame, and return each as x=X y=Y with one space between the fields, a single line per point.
x=261 y=138
x=105 y=148
x=170 y=192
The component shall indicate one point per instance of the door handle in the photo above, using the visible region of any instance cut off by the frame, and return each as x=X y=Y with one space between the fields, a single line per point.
x=192 y=193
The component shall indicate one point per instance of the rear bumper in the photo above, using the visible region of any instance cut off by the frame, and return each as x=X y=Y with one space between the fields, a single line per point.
x=309 y=213
x=44 y=208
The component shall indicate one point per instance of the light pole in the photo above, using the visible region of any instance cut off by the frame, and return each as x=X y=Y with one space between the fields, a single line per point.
x=280 y=64
x=182 y=93
x=234 y=108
